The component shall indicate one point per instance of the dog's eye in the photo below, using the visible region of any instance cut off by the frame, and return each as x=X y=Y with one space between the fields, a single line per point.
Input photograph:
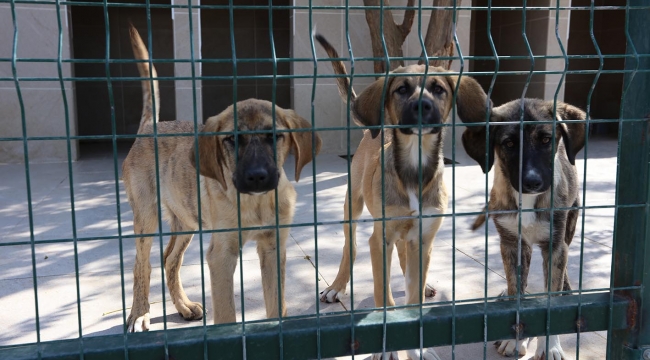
x=278 y=137
x=510 y=144
x=229 y=139
x=546 y=140
x=402 y=90
x=437 y=89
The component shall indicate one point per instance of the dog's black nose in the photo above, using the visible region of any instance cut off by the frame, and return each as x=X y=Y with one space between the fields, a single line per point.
x=427 y=106
x=255 y=177
x=532 y=182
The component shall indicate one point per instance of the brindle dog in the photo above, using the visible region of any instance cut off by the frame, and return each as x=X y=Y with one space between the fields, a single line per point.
x=539 y=150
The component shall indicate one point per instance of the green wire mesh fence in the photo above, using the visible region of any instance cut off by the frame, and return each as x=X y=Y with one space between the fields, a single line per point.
x=68 y=235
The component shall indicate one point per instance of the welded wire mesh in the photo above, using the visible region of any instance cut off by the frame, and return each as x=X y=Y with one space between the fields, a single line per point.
x=69 y=115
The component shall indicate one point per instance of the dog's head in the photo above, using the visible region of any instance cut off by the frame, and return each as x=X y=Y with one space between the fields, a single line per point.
x=407 y=96
x=249 y=156
x=505 y=141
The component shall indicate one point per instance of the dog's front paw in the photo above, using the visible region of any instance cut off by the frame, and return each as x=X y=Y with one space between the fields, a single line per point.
x=429 y=291
x=331 y=294
x=389 y=356
x=555 y=351
x=512 y=347
x=427 y=354
x=190 y=310
x=138 y=323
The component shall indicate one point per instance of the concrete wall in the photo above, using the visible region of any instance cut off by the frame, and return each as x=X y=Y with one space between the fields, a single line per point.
x=38 y=37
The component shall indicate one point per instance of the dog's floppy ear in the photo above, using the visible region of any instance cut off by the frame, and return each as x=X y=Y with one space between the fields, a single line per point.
x=210 y=152
x=472 y=104
x=301 y=142
x=474 y=141
x=471 y=100
x=573 y=134
x=368 y=105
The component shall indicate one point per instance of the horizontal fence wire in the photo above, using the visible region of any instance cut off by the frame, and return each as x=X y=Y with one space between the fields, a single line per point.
x=358 y=326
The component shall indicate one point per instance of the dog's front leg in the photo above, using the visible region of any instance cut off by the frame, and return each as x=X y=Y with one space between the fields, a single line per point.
x=267 y=251
x=381 y=285
x=559 y=261
x=510 y=258
x=416 y=284
x=222 y=258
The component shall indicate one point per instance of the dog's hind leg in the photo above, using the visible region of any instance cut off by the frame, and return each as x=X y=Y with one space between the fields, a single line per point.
x=331 y=293
x=139 y=318
x=173 y=261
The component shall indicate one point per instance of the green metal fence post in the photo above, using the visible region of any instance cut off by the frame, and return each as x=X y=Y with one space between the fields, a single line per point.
x=631 y=260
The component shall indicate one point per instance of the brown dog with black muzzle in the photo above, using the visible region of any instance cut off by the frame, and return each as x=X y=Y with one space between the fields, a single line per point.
x=247 y=163
x=546 y=162
x=419 y=105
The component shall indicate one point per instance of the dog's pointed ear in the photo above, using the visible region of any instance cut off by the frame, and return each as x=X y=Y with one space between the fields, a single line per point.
x=573 y=134
x=471 y=101
x=301 y=142
x=474 y=142
x=210 y=152
x=368 y=105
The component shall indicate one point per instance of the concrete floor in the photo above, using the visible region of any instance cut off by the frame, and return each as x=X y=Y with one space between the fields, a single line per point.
x=100 y=275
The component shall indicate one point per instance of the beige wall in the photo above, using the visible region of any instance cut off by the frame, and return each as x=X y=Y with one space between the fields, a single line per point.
x=185 y=94
x=329 y=109
x=38 y=37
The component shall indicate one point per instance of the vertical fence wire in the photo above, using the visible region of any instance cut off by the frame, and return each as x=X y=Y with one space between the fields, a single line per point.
x=425 y=59
x=30 y=212
x=279 y=243
x=351 y=225
x=233 y=47
x=66 y=113
x=617 y=207
x=197 y=165
x=488 y=149
x=385 y=249
x=312 y=116
x=520 y=289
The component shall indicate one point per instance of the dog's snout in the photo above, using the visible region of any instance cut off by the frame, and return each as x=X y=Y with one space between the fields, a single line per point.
x=257 y=176
x=425 y=104
x=532 y=182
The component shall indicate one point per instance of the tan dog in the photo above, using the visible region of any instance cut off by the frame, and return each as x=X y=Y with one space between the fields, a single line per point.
x=403 y=157
x=252 y=171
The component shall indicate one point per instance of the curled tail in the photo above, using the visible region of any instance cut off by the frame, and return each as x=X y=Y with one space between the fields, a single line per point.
x=339 y=69
x=149 y=87
x=480 y=220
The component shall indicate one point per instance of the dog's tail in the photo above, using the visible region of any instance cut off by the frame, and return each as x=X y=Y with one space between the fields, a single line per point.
x=480 y=220
x=149 y=86
x=339 y=69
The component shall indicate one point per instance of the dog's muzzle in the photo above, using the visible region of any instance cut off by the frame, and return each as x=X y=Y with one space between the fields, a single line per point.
x=257 y=180
x=411 y=116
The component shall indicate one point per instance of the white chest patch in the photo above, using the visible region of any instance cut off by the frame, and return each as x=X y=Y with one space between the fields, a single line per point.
x=413 y=149
x=414 y=204
x=527 y=203
x=427 y=223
